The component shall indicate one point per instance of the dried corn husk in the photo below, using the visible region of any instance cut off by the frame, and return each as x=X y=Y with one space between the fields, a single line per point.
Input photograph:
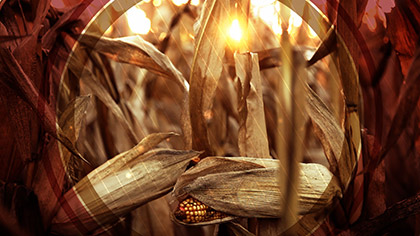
x=120 y=185
x=248 y=187
x=252 y=137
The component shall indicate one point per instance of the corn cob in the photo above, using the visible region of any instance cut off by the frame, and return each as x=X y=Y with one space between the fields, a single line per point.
x=192 y=210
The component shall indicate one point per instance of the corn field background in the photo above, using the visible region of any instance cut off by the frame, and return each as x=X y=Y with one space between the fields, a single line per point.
x=216 y=117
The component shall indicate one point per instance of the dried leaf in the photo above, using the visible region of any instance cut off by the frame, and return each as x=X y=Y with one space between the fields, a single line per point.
x=49 y=38
x=252 y=138
x=407 y=102
x=120 y=185
x=206 y=68
x=28 y=91
x=99 y=90
x=326 y=129
x=347 y=51
x=238 y=230
x=7 y=38
x=70 y=122
x=135 y=50
x=248 y=187
x=146 y=145
x=211 y=222
x=71 y=119
x=327 y=46
x=403 y=31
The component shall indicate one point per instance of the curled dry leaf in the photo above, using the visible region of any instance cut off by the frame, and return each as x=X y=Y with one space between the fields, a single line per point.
x=347 y=49
x=120 y=185
x=328 y=45
x=403 y=31
x=102 y=93
x=25 y=88
x=326 y=129
x=136 y=51
x=70 y=122
x=249 y=187
x=407 y=102
x=252 y=138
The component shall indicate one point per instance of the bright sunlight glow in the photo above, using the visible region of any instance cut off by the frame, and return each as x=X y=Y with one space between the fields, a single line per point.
x=179 y=2
x=157 y=3
x=137 y=21
x=235 y=31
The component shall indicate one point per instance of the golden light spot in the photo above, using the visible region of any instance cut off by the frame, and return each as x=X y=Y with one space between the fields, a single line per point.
x=295 y=19
x=128 y=175
x=179 y=2
x=137 y=21
x=312 y=34
x=157 y=3
x=162 y=36
x=235 y=31
x=109 y=30
x=277 y=28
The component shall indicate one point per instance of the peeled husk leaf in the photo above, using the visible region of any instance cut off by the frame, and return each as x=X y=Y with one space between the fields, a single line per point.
x=211 y=222
x=120 y=185
x=249 y=187
x=252 y=138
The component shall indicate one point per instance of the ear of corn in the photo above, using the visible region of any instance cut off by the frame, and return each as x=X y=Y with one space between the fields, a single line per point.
x=120 y=185
x=192 y=210
x=248 y=187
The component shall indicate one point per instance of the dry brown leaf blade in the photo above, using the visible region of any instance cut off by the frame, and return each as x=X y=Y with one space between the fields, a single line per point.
x=407 y=102
x=327 y=46
x=146 y=144
x=71 y=119
x=347 y=51
x=88 y=78
x=135 y=50
x=24 y=86
x=206 y=68
x=161 y=59
x=70 y=123
x=252 y=137
x=326 y=129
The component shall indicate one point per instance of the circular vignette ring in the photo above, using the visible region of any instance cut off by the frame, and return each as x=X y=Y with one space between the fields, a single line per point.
x=308 y=223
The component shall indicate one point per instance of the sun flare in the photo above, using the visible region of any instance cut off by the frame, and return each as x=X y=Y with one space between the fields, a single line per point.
x=235 y=31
